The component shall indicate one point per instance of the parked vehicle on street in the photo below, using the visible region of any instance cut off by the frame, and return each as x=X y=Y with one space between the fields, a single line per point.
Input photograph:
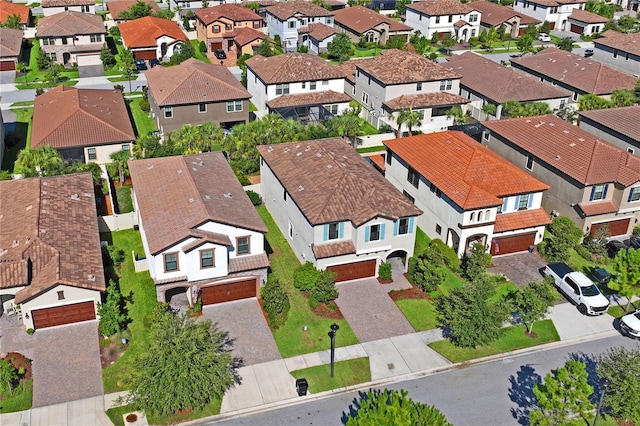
x=630 y=324
x=614 y=246
x=601 y=276
x=544 y=37
x=579 y=289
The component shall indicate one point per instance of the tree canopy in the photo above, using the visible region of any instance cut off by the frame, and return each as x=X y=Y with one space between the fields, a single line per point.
x=620 y=368
x=139 y=9
x=626 y=279
x=340 y=47
x=12 y=21
x=532 y=301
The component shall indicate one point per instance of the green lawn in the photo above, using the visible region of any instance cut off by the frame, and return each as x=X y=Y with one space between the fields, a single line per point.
x=359 y=52
x=368 y=129
x=421 y=313
x=142 y=120
x=199 y=55
x=115 y=414
x=371 y=149
x=512 y=338
x=22 y=398
x=346 y=373
x=290 y=338
x=120 y=79
x=618 y=311
x=123 y=194
x=21 y=103
x=422 y=241
x=43 y=86
x=23 y=129
x=35 y=74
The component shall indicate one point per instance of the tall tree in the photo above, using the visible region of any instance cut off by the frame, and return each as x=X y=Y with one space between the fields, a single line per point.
x=349 y=126
x=414 y=119
x=113 y=316
x=42 y=161
x=8 y=376
x=447 y=42
x=626 y=279
x=340 y=47
x=53 y=75
x=592 y=101
x=12 y=21
x=127 y=64
x=401 y=118
x=620 y=368
x=265 y=48
x=532 y=301
x=476 y=261
x=139 y=9
x=458 y=116
x=524 y=43
x=564 y=236
x=119 y=161
x=565 y=43
x=623 y=97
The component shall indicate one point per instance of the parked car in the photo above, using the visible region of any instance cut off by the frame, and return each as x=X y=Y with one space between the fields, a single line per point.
x=154 y=62
x=220 y=54
x=588 y=53
x=633 y=242
x=630 y=324
x=141 y=65
x=614 y=246
x=579 y=289
x=544 y=37
x=601 y=276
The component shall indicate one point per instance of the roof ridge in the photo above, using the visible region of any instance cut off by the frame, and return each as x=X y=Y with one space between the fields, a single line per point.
x=99 y=117
x=192 y=183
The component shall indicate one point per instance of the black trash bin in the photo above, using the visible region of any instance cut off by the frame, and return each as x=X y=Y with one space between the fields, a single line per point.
x=302 y=386
x=531 y=249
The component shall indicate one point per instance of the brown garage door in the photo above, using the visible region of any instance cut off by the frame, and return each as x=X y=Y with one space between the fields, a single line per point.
x=216 y=45
x=576 y=29
x=616 y=227
x=512 y=244
x=355 y=270
x=7 y=66
x=145 y=54
x=229 y=291
x=66 y=314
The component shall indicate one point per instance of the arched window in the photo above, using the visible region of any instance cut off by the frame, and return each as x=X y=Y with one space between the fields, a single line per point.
x=487 y=215
x=473 y=216
x=479 y=216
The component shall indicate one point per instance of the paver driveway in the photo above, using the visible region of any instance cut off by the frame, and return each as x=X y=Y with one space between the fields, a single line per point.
x=521 y=268
x=245 y=323
x=371 y=313
x=66 y=364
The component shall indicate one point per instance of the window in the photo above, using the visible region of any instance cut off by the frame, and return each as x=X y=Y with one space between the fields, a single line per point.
x=473 y=217
x=64 y=40
x=92 y=153
x=95 y=38
x=329 y=21
x=406 y=194
x=168 y=112
x=242 y=245
x=388 y=156
x=485 y=134
x=170 y=262
x=312 y=85
x=290 y=231
x=473 y=32
x=61 y=295
x=365 y=98
x=234 y=106
x=285 y=195
x=325 y=82
x=413 y=177
x=479 y=216
x=529 y=165
x=256 y=24
x=438 y=229
x=304 y=84
x=228 y=27
x=598 y=192
x=84 y=8
x=523 y=202
x=446 y=85
x=450 y=18
x=333 y=231
x=419 y=86
x=631 y=150
x=575 y=96
x=374 y=233
x=403 y=225
x=53 y=56
x=126 y=147
x=202 y=108
x=282 y=89
x=292 y=24
x=503 y=207
x=333 y=109
x=439 y=111
x=473 y=18
x=206 y=259
x=563 y=103
x=634 y=194
x=437 y=19
x=216 y=29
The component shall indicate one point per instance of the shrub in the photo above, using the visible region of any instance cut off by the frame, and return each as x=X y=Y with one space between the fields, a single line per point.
x=254 y=197
x=595 y=243
x=411 y=268
x=325 y=289
x=475 y=262
x=449 y=255
x=564 y=235
x=197 y=307
x=384 y=271
x=119 y=87
x=202 y=47
x=113 y=315
x=30 y=331
x=305 y=276
x=116 y=254
x=107 y=58
x=427 y=271
x=584 y=252
x=636 y=230
x=114 y=31
x=275 y=302
x=144 y=105
x=313 y=302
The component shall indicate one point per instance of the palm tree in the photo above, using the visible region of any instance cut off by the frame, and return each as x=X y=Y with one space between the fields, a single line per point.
x=349 y=126
x=401 y=118
x=119 y=160
x=43 y=161
x=414 y=119
x=458 y=116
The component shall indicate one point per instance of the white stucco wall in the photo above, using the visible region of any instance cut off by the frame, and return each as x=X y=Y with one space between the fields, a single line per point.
x=103 y=152
x=48 y=11
x=427 y=25
x=50 y=299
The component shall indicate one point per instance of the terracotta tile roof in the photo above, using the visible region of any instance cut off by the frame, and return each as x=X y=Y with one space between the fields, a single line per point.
x=460 y=23
x=521 y=220
x=348 y=70
x=360 y=19
x=291 y=68
x=470 y=174
x=495 y=15
x=324 y=251
x=584 y=74
x=569 y=149
x=65 y=117
x=145 y=31
x=69 y=23
x=311 y=98
x=233 y=12
x=8 y=9
x=587 y=17
x=193 y=82
x=441 y=7
x=177 y=194
x=206 y=237
x=50 y=226
x=285 y=10
x=598 y=208
x=245 y=35
x=499 y=83
x=378 y=161
x=330 y=182
x=10 y=42
x=116 y=7
x=624 y=120
x=58 y=3
x=248 y=263
x=424 y=100
x=624 y=42
x=397 y=67
x=317 y=31
x=552 y=3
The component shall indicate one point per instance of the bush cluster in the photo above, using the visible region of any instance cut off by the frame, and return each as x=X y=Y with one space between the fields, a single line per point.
x=384 y=271
x=254 y=197
x=449 y=255
x=325 y=289
x=275 y=302
x=305 y=276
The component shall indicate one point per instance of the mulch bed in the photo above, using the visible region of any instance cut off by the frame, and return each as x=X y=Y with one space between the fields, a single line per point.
x=19 y=361
x=410 y=293
x=324 y=311
x=111 y=352
x=381 y=281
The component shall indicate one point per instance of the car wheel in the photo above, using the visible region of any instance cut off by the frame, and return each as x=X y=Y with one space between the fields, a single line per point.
x=582 y=309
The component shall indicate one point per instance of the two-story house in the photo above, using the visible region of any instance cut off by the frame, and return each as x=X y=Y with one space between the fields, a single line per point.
x=398 y=80
x=217 y=25
x=591 y=181
x=285 y=18
x=52 y=7
x=360 y=22
x=65 y=36
x=8 y=9
x=494 y=15
x=195 y=93
x=618 y=126
x=619 y=50
x=444 y=17
x=151 y=37
x=316 y=37
x=201 y=234
x=334 y=208
x=10 y=51
x=555 y=12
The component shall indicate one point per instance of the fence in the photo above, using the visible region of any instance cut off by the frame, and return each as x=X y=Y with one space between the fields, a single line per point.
x=139 y=264
x=117 y=222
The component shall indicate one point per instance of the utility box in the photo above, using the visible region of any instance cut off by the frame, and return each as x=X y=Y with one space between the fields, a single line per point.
x=302 y=386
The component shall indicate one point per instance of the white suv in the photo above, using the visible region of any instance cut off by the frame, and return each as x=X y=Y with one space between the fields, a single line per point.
x=544 y=37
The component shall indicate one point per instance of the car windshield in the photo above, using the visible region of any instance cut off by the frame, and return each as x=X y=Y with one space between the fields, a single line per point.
x=592 y=290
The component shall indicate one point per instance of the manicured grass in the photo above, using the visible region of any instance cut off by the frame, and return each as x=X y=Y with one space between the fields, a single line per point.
x=421 y=313
x=119 y=79
x=143 y=121
x=346 y=373
x=43 y=86
x=22 y=397
x=115 y=414
x=371 y=149
x=21 y=103
x=252 y=107
x=290 y=338
x=503 y=290
x=23 y=128
x=368 y=129
x=618 y=311
x=359 y=52
x=35 y=74
x=123 y=194
x=422 y=241
x=512 y=338
x=199 y=55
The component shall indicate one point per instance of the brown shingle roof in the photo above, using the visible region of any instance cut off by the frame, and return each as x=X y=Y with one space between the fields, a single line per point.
x=348 y=70
x=245 y=35
x=311 y=98
x=193 y=82
x=440 y=7
x=424 y=100
x=470 y=174
x=66 y=116
x=499 y=83
x=551 y=3
x=360 y=19
x=50 y=224
x=397 y=67
x=69 y=23
x=291 y=68
x=145 y=31
x=8 y=9
x=10 y=42
x=341 y=248
x=598 y=208
x=248 y=263
x=330 y=182
x=495 y=15
x=317 y=31
x=584 y=74
x=624 y=42
x=569 y=149
x=116 y=7
x=521 y=220
x=285 y=10
x=203 y=237
x=624 y=120
x=177 y=194
x=58 y=3
x=233 y=12
x=587 y=17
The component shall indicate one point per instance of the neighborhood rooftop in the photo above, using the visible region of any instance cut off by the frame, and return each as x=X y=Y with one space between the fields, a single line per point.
x=424 y=100
x=10 y=42
x=116 y=7
x=291 y=68
x=624 y=42
x=144 y=32
x=494 y=14
x=70 y=23
x=285 y=10
x=440 y=7
x=232 y=12
x=361 y=19
x=624 y=120
x=8 y=9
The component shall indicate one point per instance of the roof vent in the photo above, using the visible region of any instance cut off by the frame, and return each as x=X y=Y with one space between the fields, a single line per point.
x=557 y=157
x=15 y=243
x=270 y=149
x=540 y=123
x=527 y=121
x=45 y=183
x=287 y=149
x=86 y=194
x=318 y=155
x=207 y=197
x=565 y=132
x=43 y=231
x=552 y=124
x=300 y=188
x=298 y=146
x=191 y=200
x=228 y=195
x=329 y=166
x=581 y=139
x=75 y=197
x=29 y=207
x=91 y=277
x=3 y=251
x=298 y=154
x=149 y=166
x=308 y=148
x=572 y=144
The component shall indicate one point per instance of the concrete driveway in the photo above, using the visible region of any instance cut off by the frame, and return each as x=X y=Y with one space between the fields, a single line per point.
x=521 y=268
x=572 y=324
x=243 y=320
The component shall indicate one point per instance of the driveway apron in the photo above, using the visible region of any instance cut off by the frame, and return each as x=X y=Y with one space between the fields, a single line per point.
x=521 y=268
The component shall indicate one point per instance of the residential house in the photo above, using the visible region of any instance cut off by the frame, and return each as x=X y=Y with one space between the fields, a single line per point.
x=574 y=73
x=285 y=18
x=618 y=126
x=67 y=36
x=296 y=74
x=444 y=17
x=586 y=23
x=619 y=50
x=186 y=6
x=195 y=93
x=468 y=193
x=316 y=37
x=555 y=12
x=359 y=22
x=10 y=49
x=398 y=80
x=487 y=82
x=8 y=9
x=51 y=264
x=53 y=7
x=201 y=234
x=348 y=69
x=334 y=208
x=86 y=125
x=494 y=15
x=151 y=37
x=2 y=136
x=217 y=26
x=247 y=40
x=592 y=182
x=116 y=7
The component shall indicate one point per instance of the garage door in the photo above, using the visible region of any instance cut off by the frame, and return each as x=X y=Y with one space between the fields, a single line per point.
x=7 y=66
x=66 y=314
x=216 y=45
x=616 y=227
x=229 y=291
x=145 y=54
x=512 y=244
x=576 y=29
x=355 y=270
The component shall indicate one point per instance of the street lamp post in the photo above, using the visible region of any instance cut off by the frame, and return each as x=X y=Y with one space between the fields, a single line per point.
x=332 y=335
x=605 y=385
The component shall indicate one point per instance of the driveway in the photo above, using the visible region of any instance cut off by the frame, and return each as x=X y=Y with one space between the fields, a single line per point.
x=369 y=310
x=243 y=320
x=66 y=364
x=520 y=268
